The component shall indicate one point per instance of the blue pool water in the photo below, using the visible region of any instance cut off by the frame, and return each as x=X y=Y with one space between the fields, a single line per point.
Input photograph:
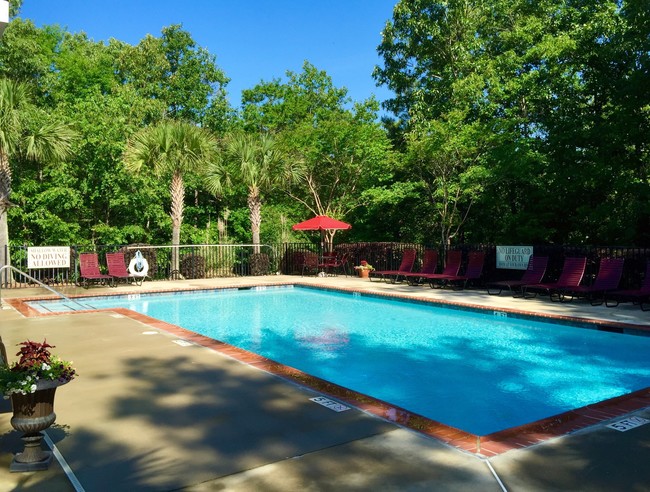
x=475 y=371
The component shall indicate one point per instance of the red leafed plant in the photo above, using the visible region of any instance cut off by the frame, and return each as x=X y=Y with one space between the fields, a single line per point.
x=32 y=354
x=35 y=366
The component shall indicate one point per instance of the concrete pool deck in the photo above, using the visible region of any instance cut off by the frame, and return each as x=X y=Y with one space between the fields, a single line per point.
x=149 y=414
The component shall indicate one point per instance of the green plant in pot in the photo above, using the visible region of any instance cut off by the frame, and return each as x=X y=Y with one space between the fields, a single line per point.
x=31 y=384
x=364 y=268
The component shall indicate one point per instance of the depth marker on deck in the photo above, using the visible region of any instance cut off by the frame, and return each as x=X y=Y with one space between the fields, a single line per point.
x=183 y=343
x=628 y=423
x=331 y=404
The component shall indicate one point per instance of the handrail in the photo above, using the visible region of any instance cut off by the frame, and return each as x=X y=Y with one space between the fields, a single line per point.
x=11 y=267
x=238 y=245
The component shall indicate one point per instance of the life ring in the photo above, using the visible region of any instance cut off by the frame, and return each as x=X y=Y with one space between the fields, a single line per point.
x=138 y=266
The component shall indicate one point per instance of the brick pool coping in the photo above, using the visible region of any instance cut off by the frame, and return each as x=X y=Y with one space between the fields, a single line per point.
x=487 y=445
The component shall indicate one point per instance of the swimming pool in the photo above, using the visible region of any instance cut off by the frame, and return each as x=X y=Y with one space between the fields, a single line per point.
x=476 y=371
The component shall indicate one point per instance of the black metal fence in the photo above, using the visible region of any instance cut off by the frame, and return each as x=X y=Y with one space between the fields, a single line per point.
x=233 y=260
x=194 y=261
x=388 y=255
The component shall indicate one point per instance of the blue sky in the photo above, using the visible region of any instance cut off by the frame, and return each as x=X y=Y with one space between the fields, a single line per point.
x=253 y=40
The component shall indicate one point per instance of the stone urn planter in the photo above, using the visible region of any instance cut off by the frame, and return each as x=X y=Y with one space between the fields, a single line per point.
x=31 y=384
x=33 y=413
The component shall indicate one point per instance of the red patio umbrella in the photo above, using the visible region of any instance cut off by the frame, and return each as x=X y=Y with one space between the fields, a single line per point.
x=323 y=223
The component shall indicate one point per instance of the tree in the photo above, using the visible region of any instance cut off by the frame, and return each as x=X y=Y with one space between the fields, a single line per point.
x=446 y=159
x=171 y=148
x=175 y=70
x=27 y=53
x=21 y=138
x=556 y=86
x=14 y=7
x=256 y=162
x=344 y=150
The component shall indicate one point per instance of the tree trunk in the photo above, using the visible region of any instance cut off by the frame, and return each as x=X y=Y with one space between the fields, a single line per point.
x=255 y=208
x=5 y=191
x=177 y=189
x=329 y=240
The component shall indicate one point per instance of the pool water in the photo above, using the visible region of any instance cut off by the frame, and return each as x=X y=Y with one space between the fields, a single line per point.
x=472 y=370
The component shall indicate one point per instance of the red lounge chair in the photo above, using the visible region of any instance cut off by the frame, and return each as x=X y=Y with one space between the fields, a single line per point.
x=609 y=276
x=451 y=268
x=429 y=266
x=640 y=295
x=89 y=271
x=474 y=271
x=408 y=258
x=572 y=273
x=117 y=269
x=533 y=275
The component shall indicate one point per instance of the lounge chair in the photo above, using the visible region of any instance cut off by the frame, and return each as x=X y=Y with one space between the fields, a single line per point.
x=572 y=272
x=451 y=269
x=429 y=266
x=406 y=266
x=89 y=271
x=474 y=270
x=609 y=276
x=640 y=295
x=533 y=275
x=117 y=269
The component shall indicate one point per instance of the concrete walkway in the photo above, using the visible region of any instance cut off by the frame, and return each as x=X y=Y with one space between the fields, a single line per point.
x=149 y=414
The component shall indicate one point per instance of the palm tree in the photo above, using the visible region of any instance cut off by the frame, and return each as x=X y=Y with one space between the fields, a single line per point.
x=171 y=147
x=49 y=142
x=256 y=162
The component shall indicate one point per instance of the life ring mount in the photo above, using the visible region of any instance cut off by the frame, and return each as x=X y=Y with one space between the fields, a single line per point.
x=138 y=266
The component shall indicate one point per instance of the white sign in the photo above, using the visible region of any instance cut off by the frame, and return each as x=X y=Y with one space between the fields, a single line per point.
x=331 y=404
x=48 y=257
x=628 y=423
x=514 y=257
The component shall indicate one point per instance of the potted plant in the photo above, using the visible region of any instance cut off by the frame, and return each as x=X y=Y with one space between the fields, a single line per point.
x=31 y=384
x=364 y=269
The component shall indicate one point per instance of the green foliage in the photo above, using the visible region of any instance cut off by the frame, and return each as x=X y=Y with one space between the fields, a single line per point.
x=175 y=70
x=27 y=52
x=515 y=122
x=341 y=151
x=554 y=89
